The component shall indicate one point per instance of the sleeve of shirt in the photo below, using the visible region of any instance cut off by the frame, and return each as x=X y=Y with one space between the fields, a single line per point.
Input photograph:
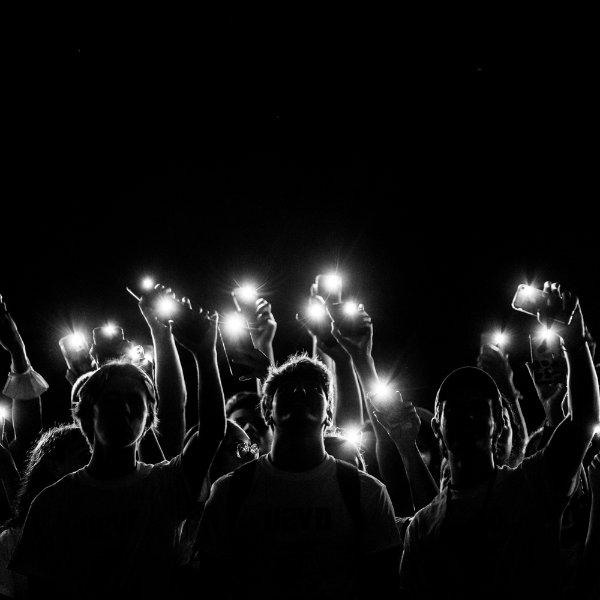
x=379 y=529
x=214 y=532
x=38 y=552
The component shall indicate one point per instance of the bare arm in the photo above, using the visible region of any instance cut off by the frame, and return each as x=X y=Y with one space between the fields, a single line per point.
x=26 y=411
x=198 y=333
x=568 y=444
x=170 y=383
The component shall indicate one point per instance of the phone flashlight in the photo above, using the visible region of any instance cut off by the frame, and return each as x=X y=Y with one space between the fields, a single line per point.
x=545 y=334
x=166 y=307
x=234 y=324
x=76 y=342
x=3 y=413
x=350 y=308
x=247 y=293
x=136 y=353
x=107 y=331
x=500 y=339
x=315 y=312
x=147 y=284
x=352 y=435
x=381 y=391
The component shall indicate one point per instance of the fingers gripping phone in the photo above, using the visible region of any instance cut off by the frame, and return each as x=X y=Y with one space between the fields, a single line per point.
x=109 y=344
x=548 y=363
x=533 y=301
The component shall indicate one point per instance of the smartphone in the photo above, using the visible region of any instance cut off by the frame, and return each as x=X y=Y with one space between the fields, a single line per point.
x=243 y=359
x=531 y=301
x=329 y=287
x=76 y=352
x=548 y=362
x=109 y=344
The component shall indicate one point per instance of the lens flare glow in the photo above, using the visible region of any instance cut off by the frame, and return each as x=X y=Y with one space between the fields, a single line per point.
x=332 y=283
x=3 y=413
x=247 y=293
x=147 y=283
x=500 y=338
x=353 y=435
x=350 y=308
x=316 y=312
x=76 y=341
x=166 y=307
x=382 y=391
x=545 y=333
x=136 y=353
x=529 y=292
x=109 y=330
x=597 y=430
x=234 y=324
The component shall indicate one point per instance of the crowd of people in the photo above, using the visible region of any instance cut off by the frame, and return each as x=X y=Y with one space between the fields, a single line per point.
x=320 y=482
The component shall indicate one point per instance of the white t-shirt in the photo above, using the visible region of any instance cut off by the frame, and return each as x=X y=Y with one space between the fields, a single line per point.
x=98 y=538
x=294 y=530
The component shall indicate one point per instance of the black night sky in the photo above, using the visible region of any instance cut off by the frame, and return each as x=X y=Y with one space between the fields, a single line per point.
x=436 y=173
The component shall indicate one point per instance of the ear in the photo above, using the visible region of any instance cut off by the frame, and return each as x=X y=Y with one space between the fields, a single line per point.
x=329 y=417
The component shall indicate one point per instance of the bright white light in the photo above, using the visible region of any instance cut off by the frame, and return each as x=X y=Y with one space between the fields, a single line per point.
x=109 y=330
x=382 y=391
x=332 y=283
x=147 y=283
x=149 y=357
x=500 y=339
x=76 y=341
x=529 y=292
x=247 y=293
x=353 y=435
x=545 y=333
x=316 y=312
x=597 y=430
x=166 y=307
x=350 y=308
x=234 y=324
x=136 y=353
x=3 y=413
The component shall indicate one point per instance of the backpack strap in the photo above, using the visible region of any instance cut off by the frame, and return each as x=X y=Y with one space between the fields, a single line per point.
x=349 y=482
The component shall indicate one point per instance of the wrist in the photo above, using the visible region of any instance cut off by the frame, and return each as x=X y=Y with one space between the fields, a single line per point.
x=204 y=356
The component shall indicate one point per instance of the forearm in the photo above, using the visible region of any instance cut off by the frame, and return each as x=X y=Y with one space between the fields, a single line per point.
x=520 y=435
x=584 y=402
x=212 y=421
x=348 y=405
x=170 y=385
x=422 y=485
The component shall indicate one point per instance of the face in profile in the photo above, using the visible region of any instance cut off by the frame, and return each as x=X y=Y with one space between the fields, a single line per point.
x=235 y=450
x=467 y=425
x=300 y=403
x=120 y=412
x=252 y=423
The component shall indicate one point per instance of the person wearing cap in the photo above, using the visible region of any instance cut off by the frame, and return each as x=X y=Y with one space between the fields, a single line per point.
x=493 y=532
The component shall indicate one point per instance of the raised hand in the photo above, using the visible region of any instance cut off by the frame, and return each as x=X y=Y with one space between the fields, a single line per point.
x=494 y=361
x=150 y=307
x=263 y=328
x=399 y=418
x=354 y=334
x=195 y=330
x=559 y=300
x=10 y=339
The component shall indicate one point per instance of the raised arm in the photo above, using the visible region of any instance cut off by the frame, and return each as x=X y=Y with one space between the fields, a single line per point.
x=494 y=361
x=24 y=386
x=197 y=331
x=357 y=339
x=568 y=444
x=168 y=374
x=401 y=421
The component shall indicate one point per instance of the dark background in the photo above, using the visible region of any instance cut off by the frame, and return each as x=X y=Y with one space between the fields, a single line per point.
x=437 y=165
